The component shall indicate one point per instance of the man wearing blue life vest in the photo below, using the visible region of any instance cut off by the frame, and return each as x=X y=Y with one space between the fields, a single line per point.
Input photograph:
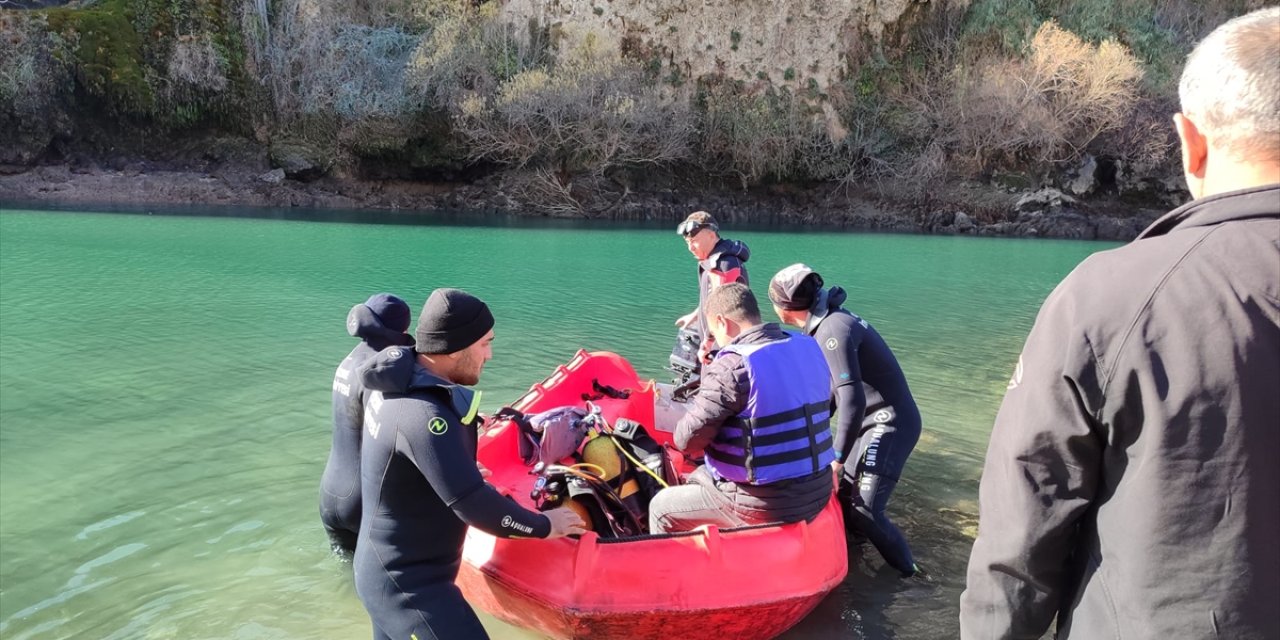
x=877 y=422
x=379 y=322
x=420 y=482
x=720 y=261
x=761 y=417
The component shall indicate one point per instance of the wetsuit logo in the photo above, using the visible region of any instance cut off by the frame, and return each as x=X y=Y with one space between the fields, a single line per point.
x=510 y=523
x=437 y=426
x=1017 y=376
x=832 y=343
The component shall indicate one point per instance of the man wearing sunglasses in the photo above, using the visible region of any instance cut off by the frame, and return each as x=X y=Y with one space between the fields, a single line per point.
x=720 y=261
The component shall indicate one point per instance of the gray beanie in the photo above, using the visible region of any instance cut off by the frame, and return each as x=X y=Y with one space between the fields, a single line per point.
x=451 y=320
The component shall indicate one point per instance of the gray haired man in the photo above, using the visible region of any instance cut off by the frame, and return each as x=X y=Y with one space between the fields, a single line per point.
x=1130 y=484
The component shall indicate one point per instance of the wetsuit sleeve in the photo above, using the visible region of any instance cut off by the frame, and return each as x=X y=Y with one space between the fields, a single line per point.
x=1040 y=477
x=439 y=447
x=840 y=343
x=721 y=396
x=728 y=269
x=851 y=403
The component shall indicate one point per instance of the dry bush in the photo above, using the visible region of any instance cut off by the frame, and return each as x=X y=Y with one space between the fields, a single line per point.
x=315 y=63
x=30 y=75
x=1043 y=108
x=758 y=134
x=469 y=52
x=195 y=62
x=592 y=113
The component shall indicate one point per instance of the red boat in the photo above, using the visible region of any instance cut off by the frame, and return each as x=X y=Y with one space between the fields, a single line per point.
x=749 y=583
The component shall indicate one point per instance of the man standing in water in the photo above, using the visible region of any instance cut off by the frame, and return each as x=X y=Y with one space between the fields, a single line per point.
x=720 y=261
x=419 y=478
x=379 y=322
x=877 y=422
x=1130 y=483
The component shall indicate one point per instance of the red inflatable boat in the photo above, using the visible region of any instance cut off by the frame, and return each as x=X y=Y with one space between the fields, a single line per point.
x=747 y=583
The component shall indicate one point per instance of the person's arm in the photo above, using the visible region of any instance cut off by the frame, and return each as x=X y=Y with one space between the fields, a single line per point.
x=1040 y=477
x=440 y=450
x=846 y=380
x=719 y=398
x=851 y=403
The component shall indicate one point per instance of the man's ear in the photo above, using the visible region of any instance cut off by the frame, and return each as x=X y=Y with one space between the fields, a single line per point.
x=1195 y=147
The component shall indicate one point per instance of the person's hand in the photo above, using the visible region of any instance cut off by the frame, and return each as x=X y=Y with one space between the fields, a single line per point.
x=704 y=351
x=564 y=522
x=684 y=320
x=484 y=472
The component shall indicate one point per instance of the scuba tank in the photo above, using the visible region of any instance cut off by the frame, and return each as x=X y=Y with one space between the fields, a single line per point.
x=622 y=468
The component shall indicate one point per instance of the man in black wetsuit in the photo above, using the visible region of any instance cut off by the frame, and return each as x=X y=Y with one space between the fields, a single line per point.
x=720 y=261
x=420 y=482
x=877 y=422
x=379 y=322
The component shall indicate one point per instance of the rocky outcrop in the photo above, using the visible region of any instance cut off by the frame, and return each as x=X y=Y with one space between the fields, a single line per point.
x=795 y=44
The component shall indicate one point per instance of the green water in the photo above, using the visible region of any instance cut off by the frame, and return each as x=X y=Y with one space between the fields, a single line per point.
x=164 y=398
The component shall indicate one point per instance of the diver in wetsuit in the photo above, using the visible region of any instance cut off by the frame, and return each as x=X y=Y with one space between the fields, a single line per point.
x=420 y=482
x=877 y=421
x=720 y=261
x=379 y=322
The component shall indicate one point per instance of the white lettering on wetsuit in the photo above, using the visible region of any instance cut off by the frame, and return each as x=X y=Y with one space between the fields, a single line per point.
x=510 y=523
x=338 y=384
x=869 y=458
x=371 y=413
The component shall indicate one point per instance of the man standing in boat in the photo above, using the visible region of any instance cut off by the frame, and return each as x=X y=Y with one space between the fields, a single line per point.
x=761 y=417
x=720 y=261
x=1129 y=489
x=877 y=421
x=379 y=322
x=420 y=482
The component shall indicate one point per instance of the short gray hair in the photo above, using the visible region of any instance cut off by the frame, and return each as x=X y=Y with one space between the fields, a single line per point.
x=734 y=301
x=1231 y=85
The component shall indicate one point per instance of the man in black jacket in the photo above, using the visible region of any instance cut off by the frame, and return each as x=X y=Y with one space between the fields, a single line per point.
x=420 y=482
x=720 y=261
x=877 y=421
x=379 y=322
x=1130 y=486
x=762 y=418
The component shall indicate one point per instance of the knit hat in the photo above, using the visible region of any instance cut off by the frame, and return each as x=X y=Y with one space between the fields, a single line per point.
x=697 y=221
x=451 y=320
x=391 y=310
x=795 y=287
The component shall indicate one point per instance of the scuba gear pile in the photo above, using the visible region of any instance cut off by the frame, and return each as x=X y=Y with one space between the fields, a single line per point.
x=622 y=468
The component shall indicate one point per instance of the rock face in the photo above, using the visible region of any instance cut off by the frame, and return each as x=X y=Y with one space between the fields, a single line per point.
x=299 y=161
x=793 y=44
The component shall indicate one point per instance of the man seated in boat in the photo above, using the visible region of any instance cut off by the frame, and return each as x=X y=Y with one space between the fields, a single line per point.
x=720 y=261
x=420 y=482
x=761 y=417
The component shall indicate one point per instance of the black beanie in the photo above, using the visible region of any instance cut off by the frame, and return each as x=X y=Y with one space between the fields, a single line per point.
x=451 y=320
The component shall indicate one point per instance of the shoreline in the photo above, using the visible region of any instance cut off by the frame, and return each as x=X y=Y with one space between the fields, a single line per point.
x=954 y=209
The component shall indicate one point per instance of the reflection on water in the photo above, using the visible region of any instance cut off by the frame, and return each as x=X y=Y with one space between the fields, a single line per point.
x=164 y=402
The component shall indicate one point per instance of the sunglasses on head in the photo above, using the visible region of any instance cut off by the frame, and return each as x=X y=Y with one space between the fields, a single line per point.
x=690 y=228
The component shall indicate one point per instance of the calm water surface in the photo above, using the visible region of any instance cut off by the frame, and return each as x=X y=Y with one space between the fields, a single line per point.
x=164 y=398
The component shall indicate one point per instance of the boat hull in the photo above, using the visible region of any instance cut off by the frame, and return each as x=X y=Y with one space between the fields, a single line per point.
x=749 y=583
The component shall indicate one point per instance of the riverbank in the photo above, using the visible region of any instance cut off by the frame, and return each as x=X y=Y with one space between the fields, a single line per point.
x=239 y=174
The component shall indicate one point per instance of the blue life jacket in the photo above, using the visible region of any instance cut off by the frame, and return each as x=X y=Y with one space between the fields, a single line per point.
x=784 y=431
